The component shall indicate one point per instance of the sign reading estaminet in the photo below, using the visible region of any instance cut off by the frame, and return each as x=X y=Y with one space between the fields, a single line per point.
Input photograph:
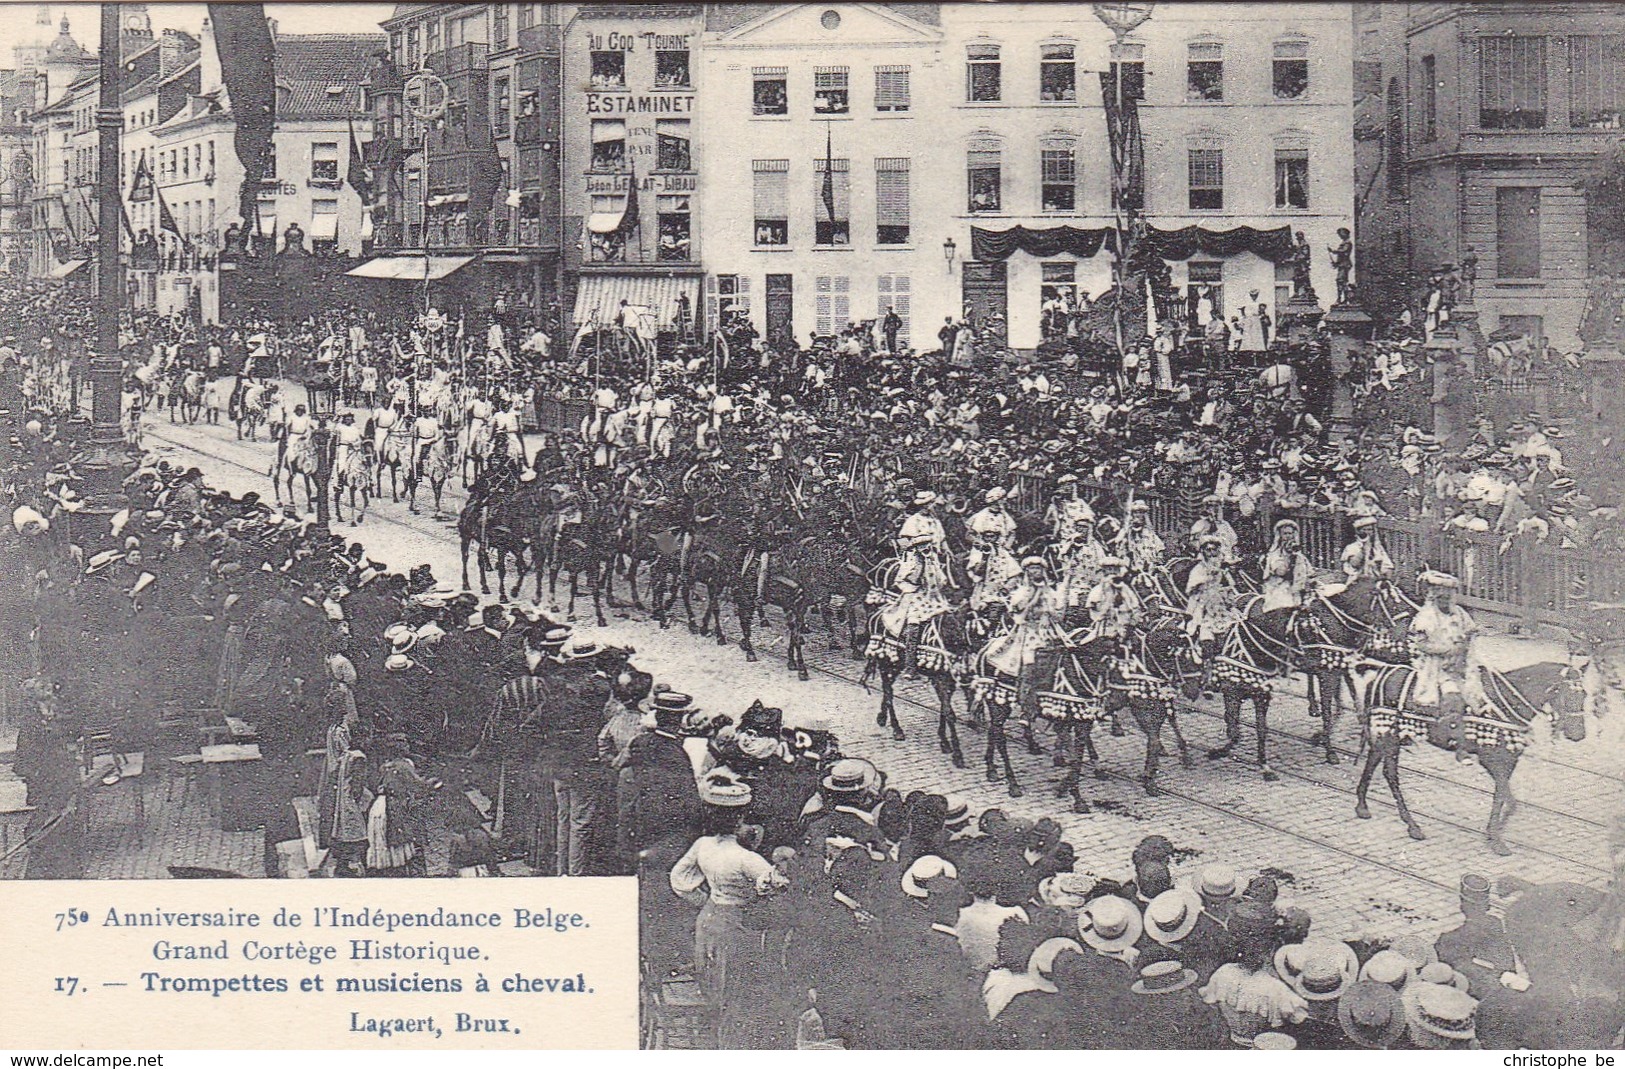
x=384 y=964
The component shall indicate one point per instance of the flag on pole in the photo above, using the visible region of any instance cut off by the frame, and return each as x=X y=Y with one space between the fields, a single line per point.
x=166 y=220
x=141 y=186
x=828 y=193
x=631 y=217
x=359 y=178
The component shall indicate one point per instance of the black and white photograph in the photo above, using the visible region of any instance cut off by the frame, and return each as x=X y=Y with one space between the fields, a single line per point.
x=1019 y=525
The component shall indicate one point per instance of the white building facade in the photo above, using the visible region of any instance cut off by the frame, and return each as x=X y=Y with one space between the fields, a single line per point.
x=1247 y=122
x=792 y=92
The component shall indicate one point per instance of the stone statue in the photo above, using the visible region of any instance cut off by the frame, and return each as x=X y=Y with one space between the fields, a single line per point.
x=1342 y=263
x=1301 y=286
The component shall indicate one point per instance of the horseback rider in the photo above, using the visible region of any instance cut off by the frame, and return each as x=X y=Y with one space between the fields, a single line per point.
x=1287 y=570
x=1365 y=557
x=1037 y=610
x=1139 y=543
x=508 y=423
x=426 y=434
x=384 y=419
x=1211 y=594
x=1067 y=509
x=991 y=531
x=1113 y=605
x=1441 y=638
x=922 y=576
x=1214 y=523
x=1078 y=561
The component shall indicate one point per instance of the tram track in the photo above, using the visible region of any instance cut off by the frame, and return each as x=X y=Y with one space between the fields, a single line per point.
x=425 y=527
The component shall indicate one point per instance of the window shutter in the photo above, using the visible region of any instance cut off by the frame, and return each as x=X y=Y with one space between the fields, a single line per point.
x=891 y=192
x=772 y=191
x=891 y=88
x=712 y=315
x=823 y=306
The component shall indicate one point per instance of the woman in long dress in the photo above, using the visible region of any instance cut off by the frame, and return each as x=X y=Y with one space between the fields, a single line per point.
x=339 y=701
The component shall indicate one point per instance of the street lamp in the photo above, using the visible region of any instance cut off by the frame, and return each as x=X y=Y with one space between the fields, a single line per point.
x=948 y=251
x=322 y=394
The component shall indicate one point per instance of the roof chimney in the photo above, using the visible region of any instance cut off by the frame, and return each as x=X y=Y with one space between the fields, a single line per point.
x=209 y=78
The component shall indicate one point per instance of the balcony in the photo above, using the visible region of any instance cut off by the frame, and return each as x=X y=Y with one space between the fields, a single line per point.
x=539 y=39
x=459 y=58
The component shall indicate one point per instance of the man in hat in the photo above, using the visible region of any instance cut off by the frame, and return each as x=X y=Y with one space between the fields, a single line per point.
x=921 y=579
x=1114 y=607
x=992 y=534
x=1212 y=595
x=1365 y=557
x=1287 y=570
x=1038 y=613
x=1139 y=543
x=1441 y=638
x=1214 y=523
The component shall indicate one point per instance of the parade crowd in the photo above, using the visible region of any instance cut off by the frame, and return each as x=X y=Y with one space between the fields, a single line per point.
x=387 y=724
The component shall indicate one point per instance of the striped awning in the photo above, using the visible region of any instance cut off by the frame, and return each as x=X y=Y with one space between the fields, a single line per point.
x=599 y=297
x=410 y=268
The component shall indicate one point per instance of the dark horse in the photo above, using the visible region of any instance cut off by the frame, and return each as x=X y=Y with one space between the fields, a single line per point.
x=581 y=549
x=1365 y=620
x=789 y=584
x=1243 y=665
x=1496 y=731
x=649 y=534
x=500 y=520
x=946 y=641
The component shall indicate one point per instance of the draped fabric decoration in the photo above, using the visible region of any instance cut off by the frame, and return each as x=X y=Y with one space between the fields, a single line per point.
x=1273 y=245
x=1049 y=241
x=242 y=34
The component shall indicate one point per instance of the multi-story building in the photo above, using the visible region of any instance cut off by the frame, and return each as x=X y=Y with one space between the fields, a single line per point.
x=472 y=197
x=148 y=104
x=820 y=167
x=16 y=172
x=631 y=174
x=304 y=198
x=64 y=87
x=1246 y=124
x=1493 y=115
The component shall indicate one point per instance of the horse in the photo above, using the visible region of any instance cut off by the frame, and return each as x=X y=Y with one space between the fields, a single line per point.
x=434 y=466
x=499 y=520
x=355 y=475
x=1334 y=631
x=788 y=585
x=714 y=559
x=649 y=534
x=299 y=459
x=1242 y=666
x=191 y=394
x=1496 y=730
x=947 y=643
x=217 y=396
x=585 y=548
x=394 y=450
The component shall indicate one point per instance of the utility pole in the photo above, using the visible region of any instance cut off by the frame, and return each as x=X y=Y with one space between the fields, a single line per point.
x=105 y=461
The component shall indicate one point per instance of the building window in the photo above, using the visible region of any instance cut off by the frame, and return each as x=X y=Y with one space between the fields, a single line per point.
x=1517 y=232
x=324 y=223
x=1204 y=71
x=984 y=179
x=609 y=70
x=830 y=91
x=671 y=145
x=527 y=16
x=1206 y=171
x=833 y=210
x=1512 y=83
x=1291 y=177
x=397 y=48
x=1205 y=281
x=672 y=213
x=186 y=164
x=502 y=111
x=1057 y=73
x=431 y=38
x=892 y=294
x=1283 y=285
x=832 y=306
x=1128 y=62
x=732 y=298
x=891 y=88
x=1058 y=164
x=1290 y=73
x=1059 y=285
x=210 y=172
x=770 y=92
x=270 y=161
x=982 y=74
x=1430 y=98
x=1596 y=82
x=772 y=197
x=607 y=241
x=671 y=69
x=413 y=55
x=324 y=161
x=1394 y=137
x=891 y=201
x=608 y=145
x=499 y=26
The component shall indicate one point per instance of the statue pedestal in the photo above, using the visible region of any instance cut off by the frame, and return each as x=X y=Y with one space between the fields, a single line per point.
x=1470 y=335
x=1350 y=329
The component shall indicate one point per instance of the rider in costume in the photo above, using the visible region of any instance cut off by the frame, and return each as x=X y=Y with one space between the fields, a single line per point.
x=1212 y=600
x=922 y=576
x=1037 y=610
x=1139 y=543
x=1365 y=557
x=1113 y=605
x=1441 y=637
x=991 y=531
x=1287 y=570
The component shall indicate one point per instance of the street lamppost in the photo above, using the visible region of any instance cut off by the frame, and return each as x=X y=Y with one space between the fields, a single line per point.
x=1122 y=19
x=322 y=393
x=105 y=460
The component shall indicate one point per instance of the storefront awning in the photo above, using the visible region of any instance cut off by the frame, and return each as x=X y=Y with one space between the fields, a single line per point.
x=67 y=270
x=604 y=222
x=599 y=297
x=411 y=268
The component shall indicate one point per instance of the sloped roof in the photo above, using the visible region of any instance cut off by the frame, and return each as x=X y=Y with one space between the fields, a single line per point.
x=149 y=84
x=720 y=18
x=317 y=74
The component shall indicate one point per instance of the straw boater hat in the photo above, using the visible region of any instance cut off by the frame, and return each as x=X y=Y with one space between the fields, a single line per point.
x=1416 y=950
x=582 y=649
x=1389 y=968
x=1217 y=881
x=1318 y=969
x=1435 y=1012
x=1163 y=978
x=924 y=498
x=1371 y=1014
x=1440 y=580
x=850 y=775
x=1362 y=522
x=925 y=868
x=995 y=495
x=1274 y=1041
x=1171 y=915
x=958 y=814
x=725 y=793
x=1438 y=972
x=1110 y=924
